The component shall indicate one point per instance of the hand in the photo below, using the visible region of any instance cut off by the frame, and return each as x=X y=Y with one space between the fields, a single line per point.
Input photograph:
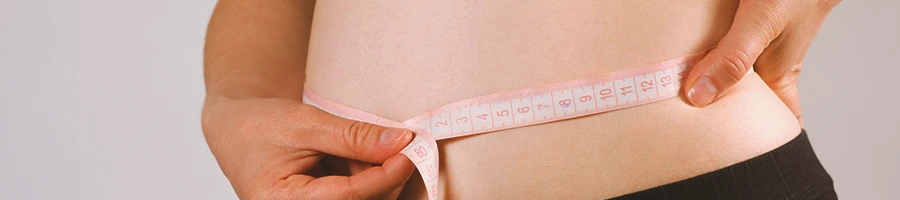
x=283 y=149
x=770 y=35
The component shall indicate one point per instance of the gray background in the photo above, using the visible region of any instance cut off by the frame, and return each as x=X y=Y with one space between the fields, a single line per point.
x=101 y=100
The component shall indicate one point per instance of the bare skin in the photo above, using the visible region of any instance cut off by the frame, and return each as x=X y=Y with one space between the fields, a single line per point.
x=269 y=144
x=770 y=35
x=400 y=59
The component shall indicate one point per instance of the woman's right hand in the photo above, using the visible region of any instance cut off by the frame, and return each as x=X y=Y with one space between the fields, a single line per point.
x=772 y=36
x=284 y=149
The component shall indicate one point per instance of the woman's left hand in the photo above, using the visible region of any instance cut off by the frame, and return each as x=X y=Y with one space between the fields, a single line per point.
x=770 y=35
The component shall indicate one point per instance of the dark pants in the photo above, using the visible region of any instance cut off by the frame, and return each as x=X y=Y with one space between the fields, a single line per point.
x=789 y=172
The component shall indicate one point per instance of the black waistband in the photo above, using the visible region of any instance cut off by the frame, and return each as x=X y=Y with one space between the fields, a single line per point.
x=791 y=171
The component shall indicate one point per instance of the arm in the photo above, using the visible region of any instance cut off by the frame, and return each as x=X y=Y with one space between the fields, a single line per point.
x=258 y=48
x=269 y=144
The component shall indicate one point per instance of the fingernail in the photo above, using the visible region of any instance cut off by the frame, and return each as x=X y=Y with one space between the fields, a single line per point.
x=392 y=136
x=702 y=93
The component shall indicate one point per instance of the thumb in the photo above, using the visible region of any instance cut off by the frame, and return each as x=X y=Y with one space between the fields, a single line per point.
x=756 y=23
x=352 y=139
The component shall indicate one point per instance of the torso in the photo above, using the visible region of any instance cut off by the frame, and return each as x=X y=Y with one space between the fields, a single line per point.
x=398 y=60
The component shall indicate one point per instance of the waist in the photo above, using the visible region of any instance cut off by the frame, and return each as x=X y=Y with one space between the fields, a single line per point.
x=607 y=154
x=390 y=73
x=617 y=152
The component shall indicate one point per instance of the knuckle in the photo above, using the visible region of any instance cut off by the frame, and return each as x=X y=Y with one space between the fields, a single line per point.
x=356 y=135
x=785 y=79
x=397 y=182
x=794 y=72
x=735 y=65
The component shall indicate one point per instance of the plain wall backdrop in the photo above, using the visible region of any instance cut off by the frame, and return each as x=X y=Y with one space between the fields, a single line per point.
x=101 y=99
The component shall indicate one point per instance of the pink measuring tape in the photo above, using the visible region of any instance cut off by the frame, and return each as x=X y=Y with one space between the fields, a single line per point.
x=523 y=107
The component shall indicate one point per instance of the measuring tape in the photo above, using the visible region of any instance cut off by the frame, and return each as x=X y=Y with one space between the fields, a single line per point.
x=523 y=107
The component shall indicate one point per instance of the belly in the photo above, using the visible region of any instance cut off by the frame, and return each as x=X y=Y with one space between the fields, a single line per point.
x=398 y=60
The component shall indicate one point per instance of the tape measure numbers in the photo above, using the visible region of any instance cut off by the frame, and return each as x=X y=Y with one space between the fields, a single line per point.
x=523 y=107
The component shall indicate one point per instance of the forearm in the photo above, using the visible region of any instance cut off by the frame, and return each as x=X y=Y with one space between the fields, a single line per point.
x=257 y=49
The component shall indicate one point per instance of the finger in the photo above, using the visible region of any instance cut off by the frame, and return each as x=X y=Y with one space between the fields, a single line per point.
x=781 y=75
x=356 y=166
x=373 y=185
x=350 y=139
x=395 y=194
x=359 y=166
x=375 y=182
x=779 y=66
x=416 y=187
x=756 y=23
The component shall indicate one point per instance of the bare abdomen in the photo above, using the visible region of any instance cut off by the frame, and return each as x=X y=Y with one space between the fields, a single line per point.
x=400 y=60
